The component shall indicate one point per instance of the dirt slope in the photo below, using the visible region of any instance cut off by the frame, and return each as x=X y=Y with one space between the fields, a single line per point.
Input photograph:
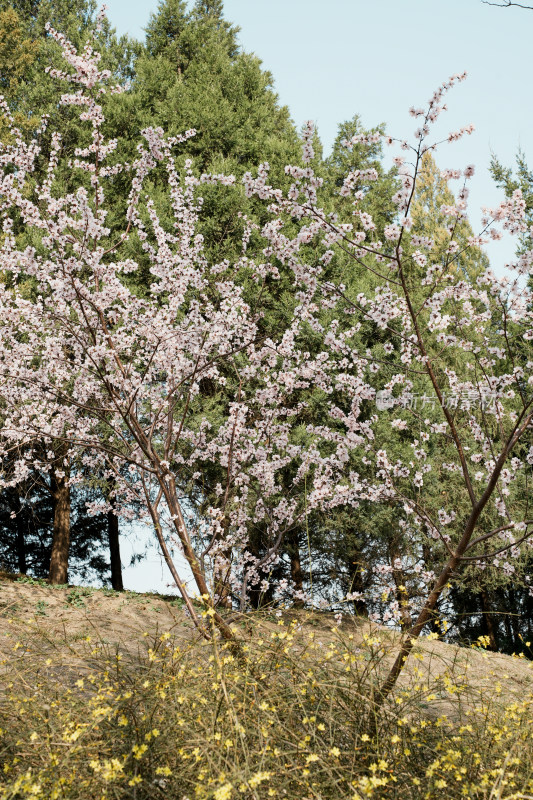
x=38 y=621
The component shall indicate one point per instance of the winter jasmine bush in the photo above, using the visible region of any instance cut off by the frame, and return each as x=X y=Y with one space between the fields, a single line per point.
x=185 y=718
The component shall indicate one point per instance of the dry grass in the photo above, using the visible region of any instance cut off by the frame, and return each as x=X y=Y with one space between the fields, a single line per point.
x=114 y=696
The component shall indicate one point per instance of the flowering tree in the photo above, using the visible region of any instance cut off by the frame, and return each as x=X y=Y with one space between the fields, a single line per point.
x=113 y=378
x=447 y=375
x=117 y=379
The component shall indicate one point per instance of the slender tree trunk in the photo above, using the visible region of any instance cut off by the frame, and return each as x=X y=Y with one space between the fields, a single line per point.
x=517 y=642
x=113 y=535
x=255 y=595
x=357 y=583
x=454 y=560
x=222 y=586
x=114 y=551
x=508 y=631
x=529 y=615
x=168 y=488
x=402 y=596
x=61 y=539
x=21 y=541
x=168 y=491
x=297 y=578
x=488 y=621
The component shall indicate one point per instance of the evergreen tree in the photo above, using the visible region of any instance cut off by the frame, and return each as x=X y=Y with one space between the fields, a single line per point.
x=26 y=532
x=17 y=55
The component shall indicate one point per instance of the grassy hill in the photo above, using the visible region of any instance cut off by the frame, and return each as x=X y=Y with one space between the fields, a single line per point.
x=107 y=695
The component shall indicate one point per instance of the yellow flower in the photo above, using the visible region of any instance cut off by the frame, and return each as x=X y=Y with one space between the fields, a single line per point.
x=163 y=771
x=139 y=750
x=223 y=792
x=258 y=778
x=111 y=769
x=335 y=752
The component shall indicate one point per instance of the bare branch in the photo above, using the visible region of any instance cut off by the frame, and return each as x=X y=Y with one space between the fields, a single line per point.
x=506 y=4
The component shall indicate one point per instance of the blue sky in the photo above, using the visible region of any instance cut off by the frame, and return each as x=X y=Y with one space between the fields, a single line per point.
x=377 y=58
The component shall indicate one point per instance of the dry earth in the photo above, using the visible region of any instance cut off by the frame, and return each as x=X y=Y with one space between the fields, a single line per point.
x=43 y=622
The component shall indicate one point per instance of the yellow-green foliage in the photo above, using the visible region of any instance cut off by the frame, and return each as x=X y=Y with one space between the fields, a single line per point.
x=292 y=717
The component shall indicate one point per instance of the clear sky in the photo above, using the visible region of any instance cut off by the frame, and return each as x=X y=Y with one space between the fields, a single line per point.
x=376 y=58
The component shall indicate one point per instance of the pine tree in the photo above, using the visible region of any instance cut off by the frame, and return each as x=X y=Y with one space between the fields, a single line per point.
x=17 y=55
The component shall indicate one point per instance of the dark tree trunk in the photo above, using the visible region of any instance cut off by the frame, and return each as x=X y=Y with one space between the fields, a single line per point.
x=529 y=615
x=114 y=552
x=488 y=621
x=293 y=551
x=255 y=595
x=508 y=631
x=357 y=583
x=21 y=540
x=61 y=538
x=517 y=642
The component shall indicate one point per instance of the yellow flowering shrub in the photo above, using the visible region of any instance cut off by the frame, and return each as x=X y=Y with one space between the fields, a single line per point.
x=293 y=716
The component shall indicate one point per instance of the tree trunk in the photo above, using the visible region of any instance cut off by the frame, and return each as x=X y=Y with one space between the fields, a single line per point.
x=488 y=622
x=61 y=539
x=21 y=541
x=255 y=595
x=356 y=583
x=222 y=586
x=402 y=596
x=293 y=551
x=114 y=551
x=168 y=490
x=517 y=642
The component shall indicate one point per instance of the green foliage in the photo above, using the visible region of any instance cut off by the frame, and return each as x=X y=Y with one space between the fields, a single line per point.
x=40 y=608
x=25 y=538
x=32 y=581
x=17 y=55
x=75 y=597
x=509 y=179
